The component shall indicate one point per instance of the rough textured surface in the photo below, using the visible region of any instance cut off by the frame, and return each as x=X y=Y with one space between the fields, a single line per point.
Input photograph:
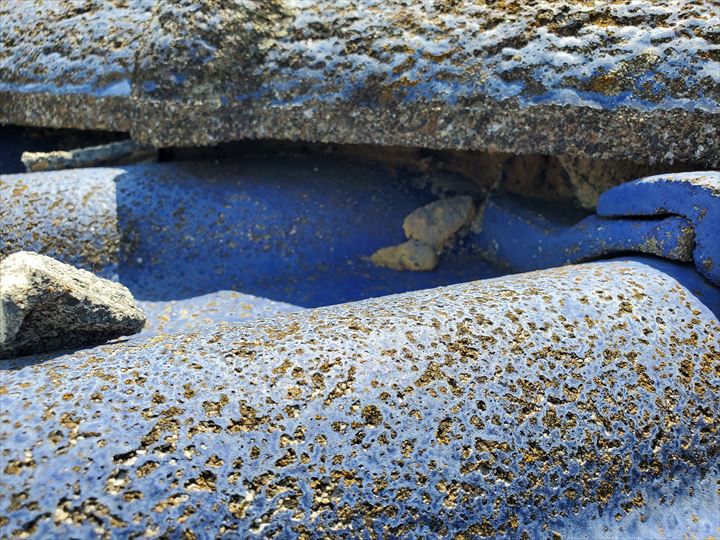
x=624 y=80
x=46 y=305
x=685 y=274
x=68 y=215
x=582 y=401
x=297 y=229
x=591 y=177
x=696 y=196
x=192 y=314
x=436 y=223
x=522 y=235
x=67 y=47
x=411 y=255
x=111 y=153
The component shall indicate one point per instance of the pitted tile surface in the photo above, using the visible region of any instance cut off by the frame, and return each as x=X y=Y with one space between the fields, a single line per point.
x=577 y=399
x=192 y=314
x=68 y=215
x=296 y=229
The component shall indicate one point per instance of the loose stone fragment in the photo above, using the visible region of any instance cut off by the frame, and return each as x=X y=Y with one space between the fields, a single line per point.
x=411 y=255
x=437 y=222
x=126 y=151
x=46 y=305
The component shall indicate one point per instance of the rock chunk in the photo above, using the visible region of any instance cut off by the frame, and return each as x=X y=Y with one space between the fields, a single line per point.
x=437 y=222
x=411 y=255
x=46 y=305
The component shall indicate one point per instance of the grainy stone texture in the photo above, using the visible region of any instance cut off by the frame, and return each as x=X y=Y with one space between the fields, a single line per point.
x=46 y=305
x=623 y=80
x=411 y=255
x=63 y=47
x=582 y=400
x=436 y=223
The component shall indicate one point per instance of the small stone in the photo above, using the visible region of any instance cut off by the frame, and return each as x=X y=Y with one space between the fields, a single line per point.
x=437 y=222
x=411 y=255
x=105 y=154
x=46 y=305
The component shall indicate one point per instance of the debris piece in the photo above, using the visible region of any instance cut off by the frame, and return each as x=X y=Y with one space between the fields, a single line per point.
x=46 y=305
x=436 y=223
x=428 y=229
x=127 y=151
x=411 y=255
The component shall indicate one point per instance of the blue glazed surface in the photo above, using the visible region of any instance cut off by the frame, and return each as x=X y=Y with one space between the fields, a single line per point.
x=296 y=230
x=707 y=292
x=191 y=314
x=523 y=236
x=696 y=196
x=581 y=400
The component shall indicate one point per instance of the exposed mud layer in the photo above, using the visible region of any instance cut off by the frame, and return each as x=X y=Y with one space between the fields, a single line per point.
x=459 y=172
